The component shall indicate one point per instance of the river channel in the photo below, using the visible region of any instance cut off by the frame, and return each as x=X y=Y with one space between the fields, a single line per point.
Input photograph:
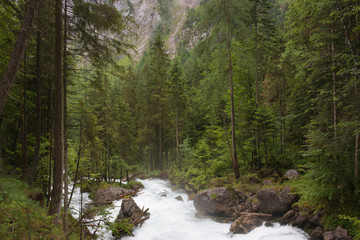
x=172 y=219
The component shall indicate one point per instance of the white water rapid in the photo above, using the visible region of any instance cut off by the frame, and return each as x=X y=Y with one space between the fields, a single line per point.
x=172 y=219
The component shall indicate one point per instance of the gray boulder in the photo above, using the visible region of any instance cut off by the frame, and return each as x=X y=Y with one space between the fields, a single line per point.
x=338 y=234
x=220 y=201
x=247 y=222
x=108 y=195
x=129 y=209
x=317 y=234
x=291 y=174
x=276 y=201
x=179 y=198
x=130 y=215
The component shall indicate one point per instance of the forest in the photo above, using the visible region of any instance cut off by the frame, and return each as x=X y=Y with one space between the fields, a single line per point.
x=257 y=87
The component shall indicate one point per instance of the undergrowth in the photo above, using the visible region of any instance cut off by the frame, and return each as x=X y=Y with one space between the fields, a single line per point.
x=23 y=218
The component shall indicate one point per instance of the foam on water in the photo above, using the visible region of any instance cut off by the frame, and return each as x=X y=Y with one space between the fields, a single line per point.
x=172 y=219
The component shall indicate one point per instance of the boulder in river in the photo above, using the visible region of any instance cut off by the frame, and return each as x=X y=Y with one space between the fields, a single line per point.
x=276 y=201
x=317 y=234
x=219 y=201
x=179 y=198
x=338 y=234
x=106 y=196
x=247 y=222
x=130 y=215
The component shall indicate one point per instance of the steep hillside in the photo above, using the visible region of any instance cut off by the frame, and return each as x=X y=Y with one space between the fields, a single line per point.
x=149 y=15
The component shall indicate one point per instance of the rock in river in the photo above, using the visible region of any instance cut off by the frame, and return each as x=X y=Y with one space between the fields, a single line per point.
x=108 y=195
x=219 y=201
x=129 y=209
x=247 y=222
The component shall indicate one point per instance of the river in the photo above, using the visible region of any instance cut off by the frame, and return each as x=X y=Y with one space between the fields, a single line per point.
x=172 y=219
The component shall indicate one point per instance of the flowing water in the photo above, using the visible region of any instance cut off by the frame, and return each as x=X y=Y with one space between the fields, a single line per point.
x=172 y=219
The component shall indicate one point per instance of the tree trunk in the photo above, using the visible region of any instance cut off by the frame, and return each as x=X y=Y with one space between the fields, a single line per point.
x=35 y=162
x=66 y=160
x=357 y=118
x=235 y=163
x=160 y=146
x=78 y=162
x=177 y=141
x=24 y=123
x=256 y=54
x=18 y=51
x=56 y=197
x=334 y=91
x=348 y=40
x=1 y=161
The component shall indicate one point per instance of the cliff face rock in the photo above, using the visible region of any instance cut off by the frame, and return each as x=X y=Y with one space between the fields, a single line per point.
x=146 y=14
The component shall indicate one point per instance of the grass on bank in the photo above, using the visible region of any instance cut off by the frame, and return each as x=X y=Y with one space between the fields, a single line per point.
x=24 y=218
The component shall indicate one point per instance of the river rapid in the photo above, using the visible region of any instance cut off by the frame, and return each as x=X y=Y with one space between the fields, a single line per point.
x=172 y=219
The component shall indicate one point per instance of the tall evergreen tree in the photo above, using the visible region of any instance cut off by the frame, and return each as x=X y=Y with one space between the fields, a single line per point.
x=57 y=190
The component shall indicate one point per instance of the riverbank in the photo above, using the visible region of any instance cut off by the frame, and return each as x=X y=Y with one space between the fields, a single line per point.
x=178 y=219
x=24 y=214
x=316 y=218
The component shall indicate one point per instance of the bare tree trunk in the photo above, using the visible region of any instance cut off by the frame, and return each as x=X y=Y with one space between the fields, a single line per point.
x=78 y=162
x=66 y=161
x=356 y=158
x=18 y=51
x=235 y=163
x=356 y=175
x=35 y=162
x=334 y=91
x=160 y=146
x=57 y=192
x=256 y=55
x=24 y=122
x=1 y=161
x=348 y=40
x=227 y=139
x=178 y=159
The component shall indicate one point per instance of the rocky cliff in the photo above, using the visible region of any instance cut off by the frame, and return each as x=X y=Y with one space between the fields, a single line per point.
x=147 y=17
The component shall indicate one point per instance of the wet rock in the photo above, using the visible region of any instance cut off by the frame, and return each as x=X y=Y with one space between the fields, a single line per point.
x=129 y=209
x=219 y=201
x=317 y=234
x=179 y=198
x=132 y=214
x=300 y=221
x=288 y=217
x=252 y=203
x=191 y=196
x=269 y=224
x=291 y=174
x=276 y=201
x=247 y=222
x=338 y=234
x=108 y=195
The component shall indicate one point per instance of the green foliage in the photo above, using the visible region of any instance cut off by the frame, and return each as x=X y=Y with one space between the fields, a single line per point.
x=213 y=196
x=21 y=217
x=121 y=228
x=352 y=224
x=131 y=184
